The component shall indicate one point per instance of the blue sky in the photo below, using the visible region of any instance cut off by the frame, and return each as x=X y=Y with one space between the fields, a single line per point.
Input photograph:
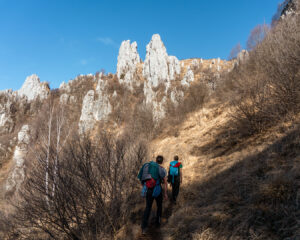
x=60 y=39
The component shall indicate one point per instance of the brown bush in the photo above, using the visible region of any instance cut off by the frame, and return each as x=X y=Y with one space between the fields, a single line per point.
x=257 y=35
x=266 y=88
x=78 y=187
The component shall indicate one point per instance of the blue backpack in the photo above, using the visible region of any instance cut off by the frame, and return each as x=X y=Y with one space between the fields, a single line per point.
x=174 y=169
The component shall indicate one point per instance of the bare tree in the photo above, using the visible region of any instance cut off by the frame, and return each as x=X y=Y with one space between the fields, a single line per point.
x=269 y=83
x=94 y=181
x=257 y=35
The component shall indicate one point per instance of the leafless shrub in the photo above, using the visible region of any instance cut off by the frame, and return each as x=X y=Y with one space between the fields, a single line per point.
x=267 y=87
x=194 y=97
x=257 y=35
x=81 y=187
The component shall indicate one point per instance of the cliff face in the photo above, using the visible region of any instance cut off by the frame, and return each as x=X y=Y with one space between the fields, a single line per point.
x=33 y=88
x=128 y=60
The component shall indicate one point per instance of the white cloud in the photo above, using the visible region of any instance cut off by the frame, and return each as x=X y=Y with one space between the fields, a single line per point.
x=107 y=41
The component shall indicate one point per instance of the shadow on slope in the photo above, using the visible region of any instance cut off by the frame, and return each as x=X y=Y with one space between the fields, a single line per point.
x=257 y=198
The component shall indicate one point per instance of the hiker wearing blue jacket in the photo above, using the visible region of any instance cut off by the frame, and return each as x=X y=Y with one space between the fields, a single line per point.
x=152 y=175
x=175 y=177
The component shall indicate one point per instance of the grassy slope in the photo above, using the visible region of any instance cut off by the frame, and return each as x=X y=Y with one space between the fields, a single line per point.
x=233 y=188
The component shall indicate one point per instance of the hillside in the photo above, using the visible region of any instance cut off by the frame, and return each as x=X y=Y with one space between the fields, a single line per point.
x=234 y=188
x=69 y=157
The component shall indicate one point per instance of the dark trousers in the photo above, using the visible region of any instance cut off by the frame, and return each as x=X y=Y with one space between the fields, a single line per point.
x=149 y=201
x=175 y=188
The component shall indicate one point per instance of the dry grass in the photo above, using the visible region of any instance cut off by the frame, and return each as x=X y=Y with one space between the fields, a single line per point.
x=245 y=190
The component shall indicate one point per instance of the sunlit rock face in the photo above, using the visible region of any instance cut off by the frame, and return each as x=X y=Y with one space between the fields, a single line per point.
x=102 y=106
x=17 y=175
x=188 y=78
x=7 y=124
x=159 y=69
x=87 y=120
x=95 y=107
x=127 y=64
x=155 y=68
x=6 y=121
x=174 y=67
x=242 y=56
x=33 y=88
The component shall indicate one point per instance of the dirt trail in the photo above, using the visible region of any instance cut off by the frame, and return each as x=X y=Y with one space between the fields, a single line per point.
x=197 y=131
x=157 y=233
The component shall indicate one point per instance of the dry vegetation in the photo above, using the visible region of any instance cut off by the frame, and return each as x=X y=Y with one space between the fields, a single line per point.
x=266 y=88
x=77 y=187
x=243 y=172
x=240 y=153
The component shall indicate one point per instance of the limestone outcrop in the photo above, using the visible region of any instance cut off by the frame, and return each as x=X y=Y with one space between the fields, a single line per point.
x=242 y=56
x=159 y=68
x=6 y=120
x=95 y=107
x=188 y=78
x=17 y=175
x=33 y=88
x=127 y=64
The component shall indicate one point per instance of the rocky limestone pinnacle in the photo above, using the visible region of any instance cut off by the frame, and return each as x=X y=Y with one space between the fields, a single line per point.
x=94 y=109
x=188 y=78
x=6 y=120
x=158 y=69
x=242 y=56
x=33 y=88
x=127 y=63
x=17 y=176
x=158 y=66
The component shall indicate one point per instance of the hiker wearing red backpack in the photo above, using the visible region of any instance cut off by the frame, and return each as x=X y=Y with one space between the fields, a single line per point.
x=175 y=177
x=152 y=175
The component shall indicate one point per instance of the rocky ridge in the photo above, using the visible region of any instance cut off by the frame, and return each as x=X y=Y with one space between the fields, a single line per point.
x=161 y=78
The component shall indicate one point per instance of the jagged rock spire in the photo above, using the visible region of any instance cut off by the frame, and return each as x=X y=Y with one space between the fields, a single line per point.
x=158 y=69
x=33 y=88
x=127 y=63
x=158 y=66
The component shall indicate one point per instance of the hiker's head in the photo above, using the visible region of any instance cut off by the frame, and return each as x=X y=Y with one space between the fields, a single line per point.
x=176 y=158
x=159 y=159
